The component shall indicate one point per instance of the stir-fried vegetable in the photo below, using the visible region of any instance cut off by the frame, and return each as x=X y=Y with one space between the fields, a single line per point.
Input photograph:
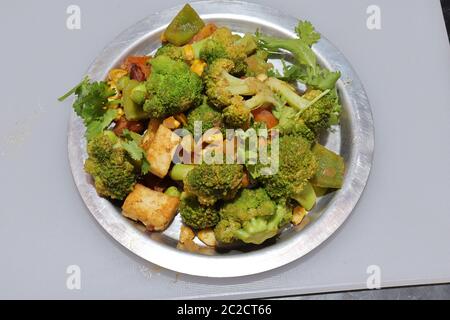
x=208 y=76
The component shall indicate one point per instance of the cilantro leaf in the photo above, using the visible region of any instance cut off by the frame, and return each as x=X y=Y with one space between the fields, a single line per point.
x=92 y=99
x=96 y=127
x=306 y=32
x=132 y=144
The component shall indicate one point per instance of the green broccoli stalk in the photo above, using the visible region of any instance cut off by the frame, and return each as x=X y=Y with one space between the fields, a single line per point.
x=252 y=218
x=237 y=114
x=212 y=182
x=172 y=88
x=196 y=215
x=289 y=94
x=111 y=167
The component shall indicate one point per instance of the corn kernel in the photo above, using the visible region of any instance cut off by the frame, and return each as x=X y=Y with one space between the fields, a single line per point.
x=113 y=85
x=188 y=52
x=115 y=74
x=171 y=123
x=198 y=66
x=297 y=215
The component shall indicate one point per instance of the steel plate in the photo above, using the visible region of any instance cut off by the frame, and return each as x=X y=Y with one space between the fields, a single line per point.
x=353 y=139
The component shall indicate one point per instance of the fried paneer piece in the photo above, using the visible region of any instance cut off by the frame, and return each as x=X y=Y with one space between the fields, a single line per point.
x=154 y=209
x=160 y=151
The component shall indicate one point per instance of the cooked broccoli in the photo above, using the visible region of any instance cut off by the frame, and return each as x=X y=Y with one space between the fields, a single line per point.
x=323 y=113
x=257 y=64
x=172 y=88
x=237 y=49
x=249 y=204
x=252 y=218
x=227 y=92
x=212 y=182
x=315 y=110
x=310 y=72
x=221 y=44
x=259 y=229
x=296 y=165
x=222 y=87
x=237 y=114
x=290 y=124
x=288 y=93
x=111 y=167
x=209 y=117
x=196 y=215
x=171 y=51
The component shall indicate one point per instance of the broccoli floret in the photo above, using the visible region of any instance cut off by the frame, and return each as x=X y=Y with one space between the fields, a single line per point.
x=296 y=165
x=196 y=215
x=290 y=124
x=259 y=229
x=209 y=117
x=257 y=64
x=249 y=204
x=221 y=44
x=225 y=229
x=111 y=167
x=221 y=86
x=212 y=182
x=171 y=51
x=237 y=114
x=306 y=68
x=237 y=48
x=309 y=114
x=172 y=88
x=323 y=113
x=252 y=218
x=227 y=92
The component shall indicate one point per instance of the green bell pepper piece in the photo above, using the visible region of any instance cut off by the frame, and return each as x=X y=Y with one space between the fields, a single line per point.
x=184 y=26
x=330 y=173
x=307 y=197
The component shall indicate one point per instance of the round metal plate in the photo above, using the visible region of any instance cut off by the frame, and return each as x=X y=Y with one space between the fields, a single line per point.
x=353 y=139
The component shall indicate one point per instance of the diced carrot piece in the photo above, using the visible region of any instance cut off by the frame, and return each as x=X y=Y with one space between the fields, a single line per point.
x=205 y=32
x=264 y=115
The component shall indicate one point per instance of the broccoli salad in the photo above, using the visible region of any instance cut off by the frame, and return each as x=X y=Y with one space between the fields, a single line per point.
x=203 y=89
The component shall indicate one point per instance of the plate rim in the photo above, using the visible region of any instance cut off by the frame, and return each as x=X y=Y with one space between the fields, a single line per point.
x=222 y=266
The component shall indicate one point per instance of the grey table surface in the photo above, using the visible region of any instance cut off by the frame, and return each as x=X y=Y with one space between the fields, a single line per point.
x=401 y=224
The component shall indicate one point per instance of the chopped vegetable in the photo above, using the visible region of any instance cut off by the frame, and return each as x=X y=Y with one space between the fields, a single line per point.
x=184 y=26
x=307 y=70
x=331 y=168
x=172 y=88
x=161 y=150
x=154 y=209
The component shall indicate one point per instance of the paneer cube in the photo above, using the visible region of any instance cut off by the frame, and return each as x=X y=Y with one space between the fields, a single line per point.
x=161 y=150
x=154 y=209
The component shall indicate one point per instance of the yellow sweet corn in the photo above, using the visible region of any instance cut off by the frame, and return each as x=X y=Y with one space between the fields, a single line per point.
x=115 y=74
x=198 y=66
x=188 y=52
